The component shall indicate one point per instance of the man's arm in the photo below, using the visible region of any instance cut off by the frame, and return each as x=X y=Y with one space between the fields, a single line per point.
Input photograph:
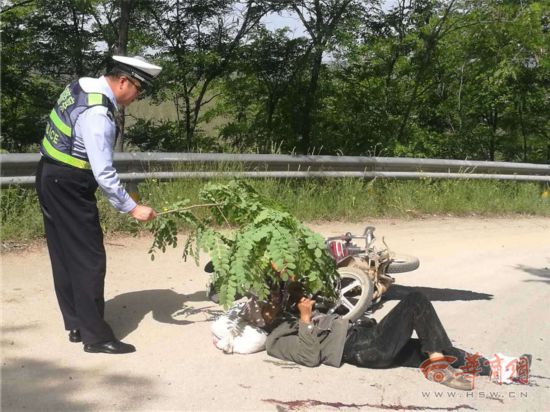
x=297 y=343
x=98 y=133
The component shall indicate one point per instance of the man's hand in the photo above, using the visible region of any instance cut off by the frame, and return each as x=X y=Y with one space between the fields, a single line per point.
x=305 y=307
x=143 y=213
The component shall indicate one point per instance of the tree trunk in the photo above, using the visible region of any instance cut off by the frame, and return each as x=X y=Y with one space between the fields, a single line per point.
x=178 y=117
x=310 y=101
x=121 y=49
x=77 y=51
x=493 y=118
x=523 y=134
x=271 y=104
x=188 y=127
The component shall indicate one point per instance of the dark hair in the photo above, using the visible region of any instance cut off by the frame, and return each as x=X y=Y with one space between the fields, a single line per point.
x=295 y=292
x=116 y=73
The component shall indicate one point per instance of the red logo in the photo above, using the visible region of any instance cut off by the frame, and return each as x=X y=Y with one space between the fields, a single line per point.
x=503 y=369
x=506 y=371
x=434 y=370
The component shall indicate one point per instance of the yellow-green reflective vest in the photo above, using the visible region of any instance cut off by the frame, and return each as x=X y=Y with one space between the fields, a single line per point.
x=58 y=141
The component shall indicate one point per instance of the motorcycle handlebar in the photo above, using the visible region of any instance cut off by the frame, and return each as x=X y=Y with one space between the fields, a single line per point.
x=345 y=238
x=368 y=236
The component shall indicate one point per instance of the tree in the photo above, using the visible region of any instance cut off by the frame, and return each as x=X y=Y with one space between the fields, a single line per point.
x=43 y=48
x=322 y=20
x=501 y=60
x=197 y=42
x=258 y=92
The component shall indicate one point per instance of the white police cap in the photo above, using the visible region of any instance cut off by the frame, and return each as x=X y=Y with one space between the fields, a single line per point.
x=137 y=67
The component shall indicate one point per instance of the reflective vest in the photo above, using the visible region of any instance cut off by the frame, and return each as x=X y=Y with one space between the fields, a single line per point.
x=58 y=141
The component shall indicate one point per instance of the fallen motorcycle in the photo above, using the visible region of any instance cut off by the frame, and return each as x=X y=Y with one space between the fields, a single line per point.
x=364 y=271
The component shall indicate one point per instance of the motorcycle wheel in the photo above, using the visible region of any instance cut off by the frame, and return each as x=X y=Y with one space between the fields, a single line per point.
x=355 y=294
x=403 y=263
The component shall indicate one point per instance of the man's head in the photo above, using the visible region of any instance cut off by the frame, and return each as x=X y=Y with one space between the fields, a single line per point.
x=129 y=76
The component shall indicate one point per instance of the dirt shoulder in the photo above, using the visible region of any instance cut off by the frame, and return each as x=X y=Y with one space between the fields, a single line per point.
x=489 y=280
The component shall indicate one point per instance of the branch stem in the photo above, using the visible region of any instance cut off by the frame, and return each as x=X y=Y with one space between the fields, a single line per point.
x=187 y=208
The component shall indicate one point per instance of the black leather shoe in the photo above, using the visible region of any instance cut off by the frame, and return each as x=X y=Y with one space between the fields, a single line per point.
x=74 y=335
x=113 y=346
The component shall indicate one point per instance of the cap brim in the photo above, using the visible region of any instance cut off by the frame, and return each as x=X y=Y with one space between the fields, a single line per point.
x=144 y=78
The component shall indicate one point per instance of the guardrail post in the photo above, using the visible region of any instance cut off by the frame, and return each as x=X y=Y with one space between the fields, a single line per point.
x=133 y=191
x=132 y=185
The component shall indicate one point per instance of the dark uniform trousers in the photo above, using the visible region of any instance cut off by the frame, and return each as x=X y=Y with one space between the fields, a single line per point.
x=75 y=244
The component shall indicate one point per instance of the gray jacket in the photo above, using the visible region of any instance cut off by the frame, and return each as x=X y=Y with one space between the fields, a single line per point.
x=320 y=342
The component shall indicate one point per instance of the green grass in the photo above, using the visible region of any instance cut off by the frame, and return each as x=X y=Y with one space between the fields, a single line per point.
x=21 y=217
x=354 y=200
x=310 y=200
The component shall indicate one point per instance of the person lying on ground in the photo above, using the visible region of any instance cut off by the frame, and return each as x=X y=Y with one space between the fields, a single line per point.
x=314 y=339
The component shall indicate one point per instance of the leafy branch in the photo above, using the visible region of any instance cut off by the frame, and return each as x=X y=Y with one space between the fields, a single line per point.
x=268 y=245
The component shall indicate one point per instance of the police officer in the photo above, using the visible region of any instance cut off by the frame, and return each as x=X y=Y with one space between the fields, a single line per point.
x=77 y=157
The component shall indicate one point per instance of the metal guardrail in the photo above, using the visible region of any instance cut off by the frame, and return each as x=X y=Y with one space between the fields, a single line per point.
x=19 y=169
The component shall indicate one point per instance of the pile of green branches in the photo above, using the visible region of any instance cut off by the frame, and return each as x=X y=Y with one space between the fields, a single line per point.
x=266 y=244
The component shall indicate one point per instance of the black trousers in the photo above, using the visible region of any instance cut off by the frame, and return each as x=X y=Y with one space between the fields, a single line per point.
x=75 y=244
x=389 y=343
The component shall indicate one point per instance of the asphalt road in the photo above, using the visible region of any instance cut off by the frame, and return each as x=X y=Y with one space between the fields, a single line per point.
x=489 y=280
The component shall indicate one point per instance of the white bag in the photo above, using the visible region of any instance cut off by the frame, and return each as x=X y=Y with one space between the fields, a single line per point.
x=232 y=334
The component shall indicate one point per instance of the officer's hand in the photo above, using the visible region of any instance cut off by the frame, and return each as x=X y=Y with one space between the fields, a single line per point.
x=143 y=213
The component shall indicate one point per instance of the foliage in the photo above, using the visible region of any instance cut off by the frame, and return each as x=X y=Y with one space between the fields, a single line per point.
x=462 y=87
x=260 y=95
x=26 y=94
x=268 y=245
x=159 y=136
x=197 y=44
x=43 y=48
x=423 y=78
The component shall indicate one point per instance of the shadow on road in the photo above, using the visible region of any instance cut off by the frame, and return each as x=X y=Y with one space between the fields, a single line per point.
x=40 y=385
x=199 y=296
x=37 y=385
x=124 y=312
x=398 y=292
x=542 y=273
